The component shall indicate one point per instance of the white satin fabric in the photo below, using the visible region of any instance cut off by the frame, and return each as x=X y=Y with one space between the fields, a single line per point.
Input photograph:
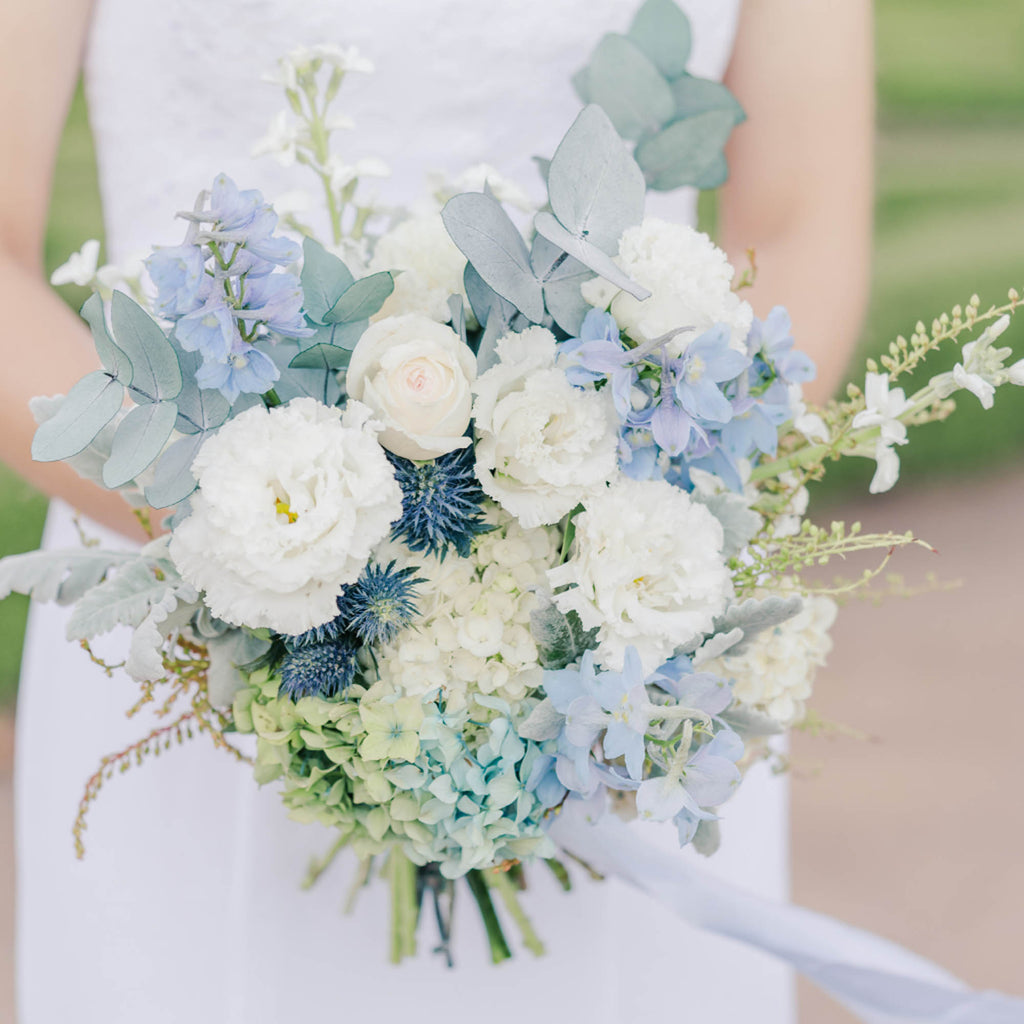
x=187 y=907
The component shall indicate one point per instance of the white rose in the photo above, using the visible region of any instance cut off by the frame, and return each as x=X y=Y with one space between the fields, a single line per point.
x=690 y=281
x=291 y=502
x=543 y=445
x=415 y=374
x=646 y=570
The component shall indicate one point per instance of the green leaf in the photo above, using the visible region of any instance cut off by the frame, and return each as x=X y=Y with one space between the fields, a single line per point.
x=739 y=521
x=581 y=83
x=172 y=479
x=324 y=277
x=692 y=96
x=156 y=373
x=561 y=276
x=61 y=576
x=561 y=639
x=227 y=652
x=629 y=88
x=716 y=173
x=140 y=438
x=295 y=382
x=485 y=234
x=662 y=31
x=321 y=357
x=754 y=615
x=457 y=315
x=113 y=359
x=595 y=187
x=748 y=721
x=361 y=299
x=684 y=151
x=199 y=409
x=88 y=407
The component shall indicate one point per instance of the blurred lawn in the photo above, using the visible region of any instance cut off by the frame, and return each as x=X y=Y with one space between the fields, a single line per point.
x=949 y=214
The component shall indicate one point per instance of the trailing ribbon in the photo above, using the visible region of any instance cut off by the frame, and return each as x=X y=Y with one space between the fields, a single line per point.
x=878 y=980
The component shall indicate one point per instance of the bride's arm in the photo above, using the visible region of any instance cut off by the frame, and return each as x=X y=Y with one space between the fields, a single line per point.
x=44 y=347
x=800 y=188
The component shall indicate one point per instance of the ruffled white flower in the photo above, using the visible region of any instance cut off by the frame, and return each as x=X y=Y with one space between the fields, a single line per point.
x=882 y=409
x=416 y=375
x=473 y=629
x=646 y=569
x=291 y=502
x=775 y=675
x=432 y=267
x=690 y=281
x=80 y=267
x=543 y=446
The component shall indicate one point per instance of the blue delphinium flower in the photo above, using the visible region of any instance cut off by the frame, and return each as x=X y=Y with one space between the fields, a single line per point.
x=380 y=603
x=319 y=670
x=275 y=300
x=771 y=340
x=209 y=330
x=177 y=272
x=246 y=369
x=599 y=354
x=441 y=503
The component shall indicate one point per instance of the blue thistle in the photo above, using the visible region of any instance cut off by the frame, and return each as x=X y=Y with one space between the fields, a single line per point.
x=441 y=503
x=319 y=670
x=379 y=604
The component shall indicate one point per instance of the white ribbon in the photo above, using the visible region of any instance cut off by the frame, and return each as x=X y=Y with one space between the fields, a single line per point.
x=881 y=982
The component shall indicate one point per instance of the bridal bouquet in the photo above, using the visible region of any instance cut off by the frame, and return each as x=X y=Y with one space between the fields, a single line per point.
x=475 y=526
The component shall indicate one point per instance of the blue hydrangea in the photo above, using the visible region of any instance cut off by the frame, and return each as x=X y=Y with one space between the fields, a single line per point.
x=319 y=670
x=441 y=503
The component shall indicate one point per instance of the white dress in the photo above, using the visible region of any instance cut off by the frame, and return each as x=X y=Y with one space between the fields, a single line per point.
x=187 y=906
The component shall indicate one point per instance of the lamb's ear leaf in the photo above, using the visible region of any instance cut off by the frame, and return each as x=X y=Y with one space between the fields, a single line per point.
x=361 y=299
x=662 y=31
x=629 y=88
x=156 y=373
x=88 y=407
x=114 y=361
x=324 y=278
x=139 y=440
x=682 y=153
x=560 y=638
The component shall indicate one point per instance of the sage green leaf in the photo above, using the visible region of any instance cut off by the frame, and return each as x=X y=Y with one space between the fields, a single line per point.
x=295 y=382
x=199 y=408
x=681 y=153
x=581 y=83
x=594 y=185
x=560 y=638
x=227 y=652
x=172 y=479
x=542 y=723
x=629 y=88
x=561 y=276
x=692 y=96
x=156 y=373
x=324 y=277
x=61 y=576
x=88 y=407
x=485 y=234
x=344 y=336
x=662 y=31
x=113 y=359
x=321 y=357
x=140 y=438
x=457 y=315
x=361 y=299
x=707 y=839
x=716 y=174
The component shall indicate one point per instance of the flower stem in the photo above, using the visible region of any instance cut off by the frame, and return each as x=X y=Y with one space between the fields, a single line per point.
x=318 y=866
x=506 y=889
x=495 y=936
x=404 y=906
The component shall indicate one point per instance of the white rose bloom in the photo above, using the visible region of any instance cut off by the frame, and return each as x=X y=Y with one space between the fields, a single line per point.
x=776 y=673
x=543 y=446
x=291 y=502
x=690 y=280
x=415 y=374
x=431 y=267
x=646 y=570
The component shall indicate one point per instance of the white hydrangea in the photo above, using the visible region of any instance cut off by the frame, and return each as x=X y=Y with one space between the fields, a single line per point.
x=543 y=445
x=473 y=629
x=431 y=268
x=690 y=281
x=775 y=674
x=646 y=569
x=291 y=502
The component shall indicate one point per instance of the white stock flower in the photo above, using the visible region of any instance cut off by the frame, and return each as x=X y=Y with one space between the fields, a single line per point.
x=982 y=369
x=291 y=502
x=810 y=424
x=80 y=267
x=342 y=174
x=646 y=569
x=431 y=265
x=775 y=674
x=543 y=446
x=690 y=280
x=279 y=142
x=415 y=374
x=882 y=409
x=300 y=59
x=473 y=179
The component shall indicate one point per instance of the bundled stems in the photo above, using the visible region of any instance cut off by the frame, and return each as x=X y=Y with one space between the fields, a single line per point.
x=495 y=936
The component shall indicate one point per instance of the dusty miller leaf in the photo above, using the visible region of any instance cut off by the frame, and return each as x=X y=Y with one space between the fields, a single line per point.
x=60 y=576
x=754 y=615
x=748 y=722
x=542 y=723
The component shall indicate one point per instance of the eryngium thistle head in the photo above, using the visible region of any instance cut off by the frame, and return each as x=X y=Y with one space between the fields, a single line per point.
x=379 y=604
x=440 y=503
x=319 y=670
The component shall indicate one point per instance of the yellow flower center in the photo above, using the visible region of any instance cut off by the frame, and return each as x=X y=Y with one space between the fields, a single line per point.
x=284 y=509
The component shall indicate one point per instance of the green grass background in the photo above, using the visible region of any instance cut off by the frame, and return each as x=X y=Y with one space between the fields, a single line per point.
x=950 y=211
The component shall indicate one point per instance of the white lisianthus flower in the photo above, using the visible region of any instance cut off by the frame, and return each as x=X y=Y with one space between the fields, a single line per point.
x=690 y=281
x=882 y=409
x=432 y=267
x=775 y=675
x=646 y=569
x=543 y=445
x=415 y=374
x=291 y=502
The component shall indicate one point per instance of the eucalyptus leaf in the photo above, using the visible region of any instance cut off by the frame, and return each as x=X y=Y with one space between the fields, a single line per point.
x=662 y=31
x=321 y=357
x=560 y=638
x=320 y=384
x=199 y=408
x=457 y=315
x=627 y=86
x=344 y=336
x=714 y=175
x=89 y=462
x=361 y=299
x=139 y=440
x=172 y=478
x=156 y=373
x=113 y=359
x=324 y=278
x=485 y=234
x=681 y=153
x=61 y=576
x=692 y=96
x=87 y=408
x=581 y=83
x=594 y=185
